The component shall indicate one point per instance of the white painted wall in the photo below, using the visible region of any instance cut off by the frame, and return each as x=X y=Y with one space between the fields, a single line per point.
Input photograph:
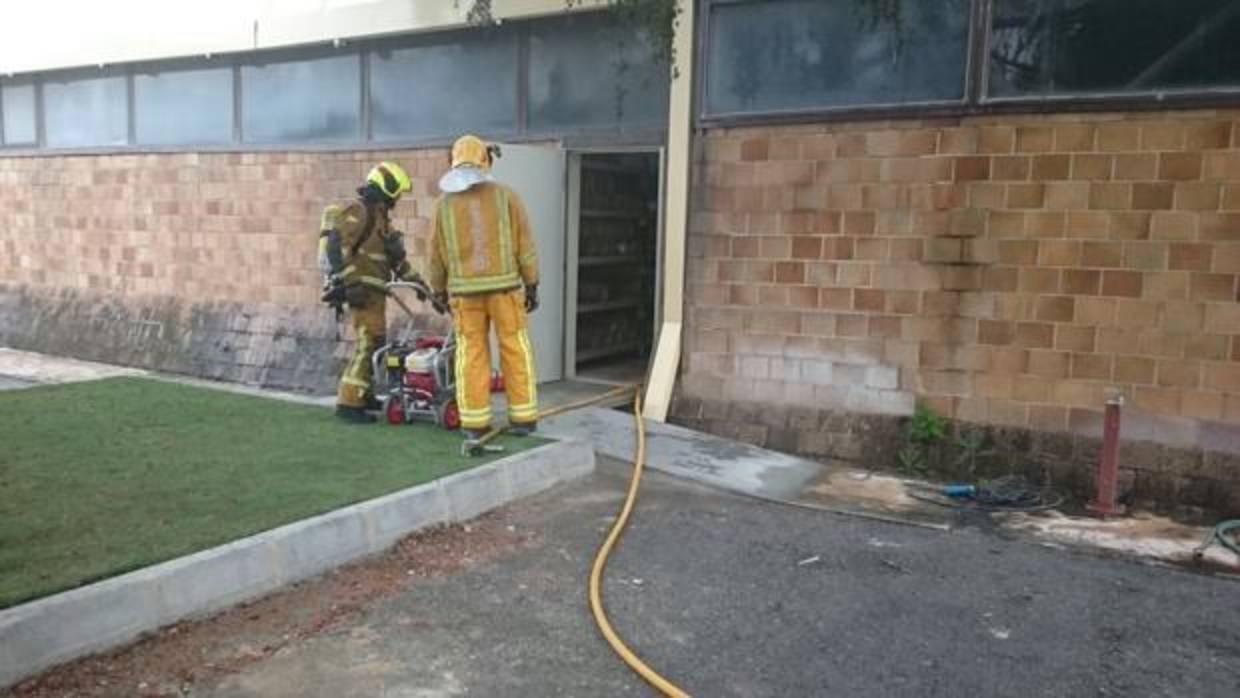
x=47 y=35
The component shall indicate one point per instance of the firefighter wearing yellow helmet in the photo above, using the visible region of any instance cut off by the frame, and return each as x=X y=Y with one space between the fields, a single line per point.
x=359 y=252
x=482 y=256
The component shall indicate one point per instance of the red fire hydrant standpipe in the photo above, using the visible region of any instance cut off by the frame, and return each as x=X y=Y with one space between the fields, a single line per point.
x=1105 y=502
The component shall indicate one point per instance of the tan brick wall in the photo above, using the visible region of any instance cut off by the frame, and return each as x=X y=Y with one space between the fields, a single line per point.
x=1009 y=270
x=221 y=227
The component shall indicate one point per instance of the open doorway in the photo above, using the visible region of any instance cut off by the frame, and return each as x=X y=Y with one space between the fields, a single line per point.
x=613 y=266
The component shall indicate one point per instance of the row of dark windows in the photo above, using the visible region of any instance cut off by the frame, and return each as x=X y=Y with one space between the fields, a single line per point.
x=578 y=72
x=585 y=72
x=773 y=56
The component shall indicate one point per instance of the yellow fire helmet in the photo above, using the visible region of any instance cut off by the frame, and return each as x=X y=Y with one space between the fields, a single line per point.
x=471 y=164
x=390 y=178
x=471 y=150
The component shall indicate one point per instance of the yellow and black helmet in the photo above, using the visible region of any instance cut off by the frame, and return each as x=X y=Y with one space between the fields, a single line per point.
x=389 y=178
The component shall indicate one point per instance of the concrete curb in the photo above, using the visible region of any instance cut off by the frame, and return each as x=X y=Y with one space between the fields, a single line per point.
x=48 y=631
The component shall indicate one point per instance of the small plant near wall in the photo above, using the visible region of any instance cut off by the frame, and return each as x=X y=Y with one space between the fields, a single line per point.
x=970 y=443
x=911 y=460
x=927 y=427
x=925 y=433
x=934 y=445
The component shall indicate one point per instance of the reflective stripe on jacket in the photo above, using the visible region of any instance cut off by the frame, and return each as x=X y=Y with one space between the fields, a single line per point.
x=482 y=242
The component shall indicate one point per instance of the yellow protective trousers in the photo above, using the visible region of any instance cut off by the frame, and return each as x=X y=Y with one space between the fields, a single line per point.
x=474 y=315
x=370 y=330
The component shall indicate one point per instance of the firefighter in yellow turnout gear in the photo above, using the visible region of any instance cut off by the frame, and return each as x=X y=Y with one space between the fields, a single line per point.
x=483 y=256
x=359 y=253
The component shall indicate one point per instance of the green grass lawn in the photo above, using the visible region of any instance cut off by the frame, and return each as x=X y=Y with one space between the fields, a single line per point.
x=104 y=477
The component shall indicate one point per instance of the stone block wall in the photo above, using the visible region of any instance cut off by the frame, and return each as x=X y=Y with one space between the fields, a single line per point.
x=203 y=263
x=1010 y=271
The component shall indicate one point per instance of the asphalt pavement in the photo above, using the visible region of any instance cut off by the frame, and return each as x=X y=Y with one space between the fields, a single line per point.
x=728 y=596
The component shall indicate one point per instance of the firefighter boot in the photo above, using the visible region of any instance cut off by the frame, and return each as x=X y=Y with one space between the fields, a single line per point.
x=523 y=428
x=354 y=415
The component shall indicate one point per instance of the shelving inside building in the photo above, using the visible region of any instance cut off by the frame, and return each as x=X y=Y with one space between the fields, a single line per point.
x=616 y=264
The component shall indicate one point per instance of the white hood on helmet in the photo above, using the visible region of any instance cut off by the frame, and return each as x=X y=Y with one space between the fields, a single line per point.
x=460 y=178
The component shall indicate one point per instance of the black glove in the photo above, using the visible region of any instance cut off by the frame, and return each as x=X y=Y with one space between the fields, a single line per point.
x=333 y=293
x=440 y=302
x=394 y=248
x=406 y=273
x=355 y=296
x=531 y=298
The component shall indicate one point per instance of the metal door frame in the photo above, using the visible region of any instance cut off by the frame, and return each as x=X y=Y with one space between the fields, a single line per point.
x=572 y=245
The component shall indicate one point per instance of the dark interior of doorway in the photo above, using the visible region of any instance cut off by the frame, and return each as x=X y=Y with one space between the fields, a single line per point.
x=617 y=263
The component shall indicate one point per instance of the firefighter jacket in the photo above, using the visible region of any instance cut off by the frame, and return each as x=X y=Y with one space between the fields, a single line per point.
x=482 y=242
x=359 y=240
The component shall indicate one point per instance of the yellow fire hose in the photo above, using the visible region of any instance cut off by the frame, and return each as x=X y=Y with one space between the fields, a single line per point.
x=478 y=446
x=664 y=686
x=627 y=655
x=661 y=684
x=635 y=663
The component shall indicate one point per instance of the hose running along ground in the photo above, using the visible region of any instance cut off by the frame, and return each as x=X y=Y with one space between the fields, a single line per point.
x=635 y=663
x=481 y=443
x=659 y=682
x=626 y=655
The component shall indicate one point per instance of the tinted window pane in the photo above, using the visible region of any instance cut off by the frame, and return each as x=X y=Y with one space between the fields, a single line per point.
x=465 y=83
x=302 y=101
x=86 y=112
x=18 y=104
x=586 y=71
x=189 y=106
x=806 y=54
x=1041 y=47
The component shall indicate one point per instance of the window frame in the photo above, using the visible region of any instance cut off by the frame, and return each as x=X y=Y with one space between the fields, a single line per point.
x=602 y=133
x=33 y=83
x=1097 y=99
x=614 y=134
x=976 y=99
x=976 y=102
x=105 y=72
x=296 y=55
x=519 y=32
x=800 y=114
x=181 y=65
